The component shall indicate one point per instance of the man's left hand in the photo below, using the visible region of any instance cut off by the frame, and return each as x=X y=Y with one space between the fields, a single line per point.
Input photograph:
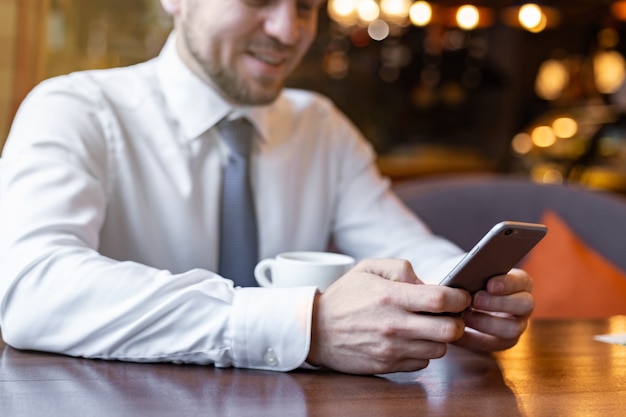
x=499 y=315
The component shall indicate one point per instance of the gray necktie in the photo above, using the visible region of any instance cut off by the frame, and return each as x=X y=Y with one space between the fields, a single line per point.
x=238 y=227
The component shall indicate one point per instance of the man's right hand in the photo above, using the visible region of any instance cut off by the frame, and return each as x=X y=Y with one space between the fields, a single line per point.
x=368 y=322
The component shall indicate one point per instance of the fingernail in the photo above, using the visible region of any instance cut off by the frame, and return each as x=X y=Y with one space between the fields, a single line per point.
x=497 y=286
x=480 y=300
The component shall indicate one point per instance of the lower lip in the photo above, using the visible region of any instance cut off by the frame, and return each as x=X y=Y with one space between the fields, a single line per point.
x=263 y=68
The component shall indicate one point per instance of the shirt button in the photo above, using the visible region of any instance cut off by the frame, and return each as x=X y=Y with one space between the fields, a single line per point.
x=270 y=357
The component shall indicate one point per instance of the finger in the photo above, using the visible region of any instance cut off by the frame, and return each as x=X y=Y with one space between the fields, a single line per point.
x=425 y=329
x=418 y=356
x=382 y=365
x=481 y=342
x=392 y=351
x=517 y=304
x=433 y=299
x=516 y=280
x=507 y=328
x=399 y=270
x=407 y=365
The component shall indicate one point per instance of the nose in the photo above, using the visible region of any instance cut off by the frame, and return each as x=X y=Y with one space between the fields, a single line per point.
x=282 y=22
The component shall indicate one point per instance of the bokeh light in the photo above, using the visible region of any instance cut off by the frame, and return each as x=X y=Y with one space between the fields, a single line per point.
x=467 y=17
x=368 y=10
x=378 y=30
x=564 y=127
x=421 y=13
x=552 y=79
x=543 y=136
x=608 y=70
x=530 y=16
x=522 y=144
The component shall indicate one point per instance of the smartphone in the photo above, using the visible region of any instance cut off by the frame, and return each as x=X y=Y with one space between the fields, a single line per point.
x=495 y=254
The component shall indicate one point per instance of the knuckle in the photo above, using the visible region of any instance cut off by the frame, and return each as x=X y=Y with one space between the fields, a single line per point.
x=384 y=351
x=389 y=329
x=437 y=301
x=386 y=297
x=405 y=266
x=451 y=330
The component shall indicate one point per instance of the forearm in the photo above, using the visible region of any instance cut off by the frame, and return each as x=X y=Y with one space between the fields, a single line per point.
x=85 y=305
x=78 y=303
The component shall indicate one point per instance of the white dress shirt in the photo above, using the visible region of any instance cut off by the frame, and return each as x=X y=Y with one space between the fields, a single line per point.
x=109 y=210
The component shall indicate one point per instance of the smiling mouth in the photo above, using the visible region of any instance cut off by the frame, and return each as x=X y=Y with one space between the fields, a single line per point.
x=270 y=51
x=272 y=58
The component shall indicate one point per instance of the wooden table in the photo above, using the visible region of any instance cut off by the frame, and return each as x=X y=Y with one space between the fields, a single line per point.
x=557 y=369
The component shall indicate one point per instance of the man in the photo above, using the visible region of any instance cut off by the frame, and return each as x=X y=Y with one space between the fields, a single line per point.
x=109 y=214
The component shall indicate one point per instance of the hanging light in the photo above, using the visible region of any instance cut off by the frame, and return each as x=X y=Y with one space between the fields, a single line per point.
x=368 y=10
x=533 y=17
x=421 y=13
x=396 y=11
x=397 y=14
x=467 y=17
x=343 y=11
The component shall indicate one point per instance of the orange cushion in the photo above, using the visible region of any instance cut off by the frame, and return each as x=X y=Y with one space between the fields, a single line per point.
x=570 y=279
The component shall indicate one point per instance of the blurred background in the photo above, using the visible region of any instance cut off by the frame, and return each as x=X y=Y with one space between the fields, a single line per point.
x=529 y=88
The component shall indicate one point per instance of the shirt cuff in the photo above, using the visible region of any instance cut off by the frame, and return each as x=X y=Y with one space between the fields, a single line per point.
x=271 y=327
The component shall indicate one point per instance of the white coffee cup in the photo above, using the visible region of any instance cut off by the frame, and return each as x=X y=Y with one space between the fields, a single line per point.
x=296 y=269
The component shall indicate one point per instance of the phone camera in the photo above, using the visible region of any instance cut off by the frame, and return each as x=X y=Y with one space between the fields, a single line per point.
x=508 y=232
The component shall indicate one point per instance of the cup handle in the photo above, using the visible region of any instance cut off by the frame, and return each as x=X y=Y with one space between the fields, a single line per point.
x=260 y=272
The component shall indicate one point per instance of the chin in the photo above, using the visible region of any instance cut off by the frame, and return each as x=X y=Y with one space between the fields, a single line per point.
x=258 y=96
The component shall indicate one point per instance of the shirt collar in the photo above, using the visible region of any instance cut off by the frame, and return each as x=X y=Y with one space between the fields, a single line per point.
x=194 y=104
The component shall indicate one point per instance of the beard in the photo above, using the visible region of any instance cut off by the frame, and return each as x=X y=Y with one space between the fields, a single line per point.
x=233 y=86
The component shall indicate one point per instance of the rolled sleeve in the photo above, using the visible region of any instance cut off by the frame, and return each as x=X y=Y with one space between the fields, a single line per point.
x=271 y=327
